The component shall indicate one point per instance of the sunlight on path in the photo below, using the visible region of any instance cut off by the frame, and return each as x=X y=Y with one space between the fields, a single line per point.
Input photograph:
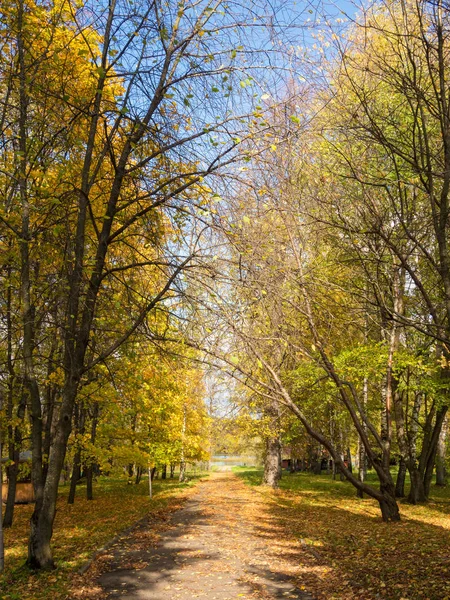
x=222 y=545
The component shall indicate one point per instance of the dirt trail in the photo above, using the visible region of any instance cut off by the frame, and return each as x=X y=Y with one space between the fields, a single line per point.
x=222 y=545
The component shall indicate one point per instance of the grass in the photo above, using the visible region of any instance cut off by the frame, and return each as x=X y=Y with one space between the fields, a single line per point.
x=80 y=529
x=360 y=556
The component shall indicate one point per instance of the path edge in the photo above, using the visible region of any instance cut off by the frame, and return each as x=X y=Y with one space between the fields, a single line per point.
x=124 y=532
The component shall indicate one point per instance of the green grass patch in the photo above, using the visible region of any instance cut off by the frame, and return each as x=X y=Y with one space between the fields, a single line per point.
x=360 y=556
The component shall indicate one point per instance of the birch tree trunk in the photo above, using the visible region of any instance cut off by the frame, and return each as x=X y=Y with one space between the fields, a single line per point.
x=272 y=456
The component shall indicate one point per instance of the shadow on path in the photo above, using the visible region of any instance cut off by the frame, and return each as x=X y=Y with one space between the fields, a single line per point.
x=211 y=550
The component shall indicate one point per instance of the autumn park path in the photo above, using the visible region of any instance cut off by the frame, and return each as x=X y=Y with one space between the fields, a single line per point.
x=222 y=545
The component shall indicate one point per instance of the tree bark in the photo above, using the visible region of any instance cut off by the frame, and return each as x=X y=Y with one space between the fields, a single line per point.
x=14 y=433
x=76 y=473
x=362 y=467
x=417 y=490
x=401 y=476
x=137 y=479
x=182 y=475
x=272 y=462
x=432 y=451
x=80 y=418
x=389 y=507
x=441 y=470
x=90 y=466
x=150 y=487
x=13 y=470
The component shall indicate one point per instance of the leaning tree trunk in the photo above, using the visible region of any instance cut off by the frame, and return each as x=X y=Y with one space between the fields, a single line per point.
x=362 y=466
x=386 y=495
x=433 y=446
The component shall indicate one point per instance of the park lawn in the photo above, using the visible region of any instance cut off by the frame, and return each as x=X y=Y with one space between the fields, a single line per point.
x=81 y=529
x=351 y=553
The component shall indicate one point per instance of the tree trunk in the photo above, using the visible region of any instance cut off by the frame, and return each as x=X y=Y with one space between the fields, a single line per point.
x=417 y=490
x=80 y=418
x=138 y=475
x=14 y=432
x=362 y=467
x=433 y=447
x=48 y=412
x=150 y=487
x=350 y=464
x=90 y=466
x=164 y=471
x=272 y=456
x=389 y=508
x=272 y=462
x=130 y=470
x=41 y=523
x=13 y=470
x=172 y=470
x=89 y=482
x=401 y=476
x=76 y=472
x=441 y=471
x=182 y=475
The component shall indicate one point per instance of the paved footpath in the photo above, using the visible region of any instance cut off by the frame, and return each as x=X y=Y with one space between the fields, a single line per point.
x=222 y=545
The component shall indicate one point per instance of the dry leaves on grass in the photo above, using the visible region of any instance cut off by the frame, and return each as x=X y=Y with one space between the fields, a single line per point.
x=346 y=552
x=80 y=530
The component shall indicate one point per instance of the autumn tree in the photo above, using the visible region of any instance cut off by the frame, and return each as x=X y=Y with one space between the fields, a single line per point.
x=97 y=168
x=385 y=139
